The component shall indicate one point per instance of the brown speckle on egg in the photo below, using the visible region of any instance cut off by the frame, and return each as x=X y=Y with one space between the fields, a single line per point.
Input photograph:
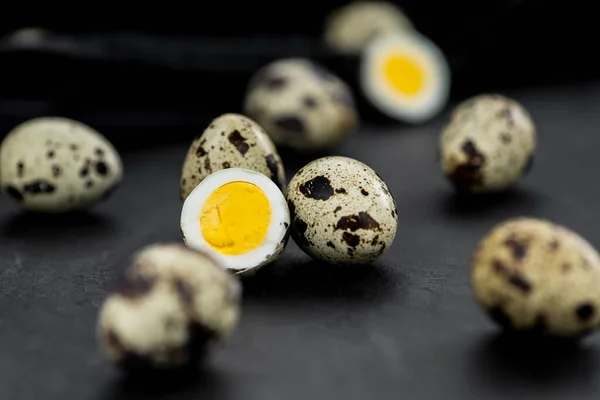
x=505 y=137
x=308 y=112
x=488 y=144
x=52 y=177
x=518 y=248
x=358 y=236
x=318 y=188
x=300 y=227
x=102 y=169
x=134 y=286
x=236 y=142
x=207 y=167
x=236 y=139
x=585 y=311
x=274 y=82
x=310 y=102
x=85 y=170
x=160 y=316
x=40 y=186
x=290 y=123
x=184 y=291
x=527 y=282
x=355 y=222
x=351 y=239
x=200 y=152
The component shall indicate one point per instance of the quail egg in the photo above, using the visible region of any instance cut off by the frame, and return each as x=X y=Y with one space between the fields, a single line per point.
x=54 y=164
x=301 y=104
x=350 y=28
x=231 y=141
x=239 y=217
x=531 y=275
x=170 y=308
x=488 y=144
x=405 y=76
x=342 y=211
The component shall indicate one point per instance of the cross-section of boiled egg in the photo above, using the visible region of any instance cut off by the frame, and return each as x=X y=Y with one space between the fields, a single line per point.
x=239 y=216
x=405 y=76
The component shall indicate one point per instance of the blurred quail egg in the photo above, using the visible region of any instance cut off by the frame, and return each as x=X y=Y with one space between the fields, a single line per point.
x=301 y=105
x=488 y=144
x=532 y=275
x=169 y=309
x=54 y=164
x=405 y=76
x=239 y=217
x=231 y=141
x=342 y=211
x=350 y=28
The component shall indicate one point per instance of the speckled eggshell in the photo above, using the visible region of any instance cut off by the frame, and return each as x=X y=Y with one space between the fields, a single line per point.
x=350 y=28
x=172 y=305
x=531 y=275
x=342 y=211
x=301 y=105
x=56 y=164
x=231 y=141
x=488 y=144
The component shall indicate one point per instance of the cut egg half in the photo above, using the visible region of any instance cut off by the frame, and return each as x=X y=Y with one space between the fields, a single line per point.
x=406 y=76
x=238 y=216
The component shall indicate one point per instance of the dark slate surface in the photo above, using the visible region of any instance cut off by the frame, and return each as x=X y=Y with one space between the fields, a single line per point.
x=404 y=327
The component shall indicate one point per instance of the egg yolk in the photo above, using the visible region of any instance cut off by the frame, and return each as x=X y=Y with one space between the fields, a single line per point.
x=235 y=218
x=404 y=74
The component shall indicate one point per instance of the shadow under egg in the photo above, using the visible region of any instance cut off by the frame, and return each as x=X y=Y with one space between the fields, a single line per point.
x=467 y=205
x=201 y=381
x=507 y=359
x=320 y=281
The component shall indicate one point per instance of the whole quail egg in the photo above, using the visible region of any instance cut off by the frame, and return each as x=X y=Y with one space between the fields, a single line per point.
x=350 y=28
x=239 y=217
x=231 y=141
x=169 y=309
x=301 y=105
x=405 y=76
x=535 y=276
x=55 y=164
x=342 y=211
x=488 y=144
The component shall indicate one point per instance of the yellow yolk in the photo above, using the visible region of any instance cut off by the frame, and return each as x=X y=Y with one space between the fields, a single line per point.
x=404 y=74
x=235 y=218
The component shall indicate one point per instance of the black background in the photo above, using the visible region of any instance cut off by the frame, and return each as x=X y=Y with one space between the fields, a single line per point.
x=405 y=326
x=132 y=71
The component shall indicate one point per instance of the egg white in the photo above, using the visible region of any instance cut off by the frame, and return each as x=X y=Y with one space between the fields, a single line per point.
x=267 y=251
x=412 y=109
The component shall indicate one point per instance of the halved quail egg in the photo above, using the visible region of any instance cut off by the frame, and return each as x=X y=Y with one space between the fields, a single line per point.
x=238 y=216
x=405 y=76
